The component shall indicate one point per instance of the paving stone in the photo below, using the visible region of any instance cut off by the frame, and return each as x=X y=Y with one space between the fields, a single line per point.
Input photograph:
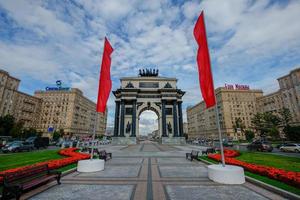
x=150 y=147
x=183 y=171
x=167 y=172
x=86 y=192
x=173 y=160
x=124 y=171
x=180 y=192
x=125 y=161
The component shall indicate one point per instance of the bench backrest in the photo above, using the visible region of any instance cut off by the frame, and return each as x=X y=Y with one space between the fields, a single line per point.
x=102 y=153
x=26 y=173
x=210 y=150
x=195 y=153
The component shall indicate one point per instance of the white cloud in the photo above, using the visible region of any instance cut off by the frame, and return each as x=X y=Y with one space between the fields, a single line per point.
x=147 y=122
x=191 y=9
x=251 y=42
x=32 y=15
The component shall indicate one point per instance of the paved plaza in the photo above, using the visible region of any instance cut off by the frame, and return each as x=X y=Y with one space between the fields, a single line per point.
x=148 y=171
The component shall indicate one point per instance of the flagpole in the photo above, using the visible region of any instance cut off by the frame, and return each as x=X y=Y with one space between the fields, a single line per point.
x=216 y=110
x=220 y=134
x=94 y=135
x=218 y=122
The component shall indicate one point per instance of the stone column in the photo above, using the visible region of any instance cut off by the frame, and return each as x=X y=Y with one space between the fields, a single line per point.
x=163 y=118
x=122 y=118
x=180 y=119
x=175 y=119
x=133 y=126
x=117 y=113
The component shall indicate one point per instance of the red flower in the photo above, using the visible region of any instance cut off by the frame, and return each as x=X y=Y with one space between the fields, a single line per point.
x=73 y=157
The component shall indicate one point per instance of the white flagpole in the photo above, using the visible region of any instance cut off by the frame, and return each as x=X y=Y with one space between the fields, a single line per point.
x=220 y=133
x=94 y=135
x=218 y=123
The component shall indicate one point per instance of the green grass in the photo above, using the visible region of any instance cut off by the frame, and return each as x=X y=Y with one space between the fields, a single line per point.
x=264 y=179
x=68 y=167
x=281 y=162
x=9 y=161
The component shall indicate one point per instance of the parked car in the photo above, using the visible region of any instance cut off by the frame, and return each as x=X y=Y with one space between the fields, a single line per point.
x=4 y=140
x=290 y=147
x=10 y=143
x=67 y=144
x=280 y=145
x=260 y=146
x=227 y=143
x=39 y=142
x=18 y=147
x=104 y=142
x=196 y=142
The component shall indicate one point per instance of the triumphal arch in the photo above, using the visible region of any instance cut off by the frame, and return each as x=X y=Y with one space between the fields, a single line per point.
x=148 y=91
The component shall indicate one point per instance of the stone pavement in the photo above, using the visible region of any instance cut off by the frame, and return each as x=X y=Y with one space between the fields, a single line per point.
x=149 y=171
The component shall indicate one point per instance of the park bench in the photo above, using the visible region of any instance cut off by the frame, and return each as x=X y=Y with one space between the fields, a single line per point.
x=104 y=155
x=209 y=150
x=15 y=183
x=192 y=155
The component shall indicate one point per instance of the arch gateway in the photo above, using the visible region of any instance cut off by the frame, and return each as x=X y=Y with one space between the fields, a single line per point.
x=148 y=91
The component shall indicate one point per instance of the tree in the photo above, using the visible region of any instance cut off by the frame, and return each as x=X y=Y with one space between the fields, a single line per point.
x=249 y=135
x=258 y=124
x=285 y=116
x=30 y=132
x=6 y=124
x=266 y=124
x=16 y=131
x=239 y=124
x=292 y=133
x=58 y=134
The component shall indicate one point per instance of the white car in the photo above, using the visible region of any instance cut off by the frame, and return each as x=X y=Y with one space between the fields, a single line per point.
x=291 y=147
x=195 y=142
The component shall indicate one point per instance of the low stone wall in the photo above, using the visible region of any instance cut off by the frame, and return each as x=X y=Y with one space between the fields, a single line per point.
x=174 y=140
x=123 y=140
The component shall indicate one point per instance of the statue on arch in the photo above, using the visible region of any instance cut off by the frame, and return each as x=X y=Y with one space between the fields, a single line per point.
x=128 y=127
x=169 y=128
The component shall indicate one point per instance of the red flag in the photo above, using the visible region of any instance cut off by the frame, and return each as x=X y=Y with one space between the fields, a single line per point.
x=203 y=60
x=104 y=81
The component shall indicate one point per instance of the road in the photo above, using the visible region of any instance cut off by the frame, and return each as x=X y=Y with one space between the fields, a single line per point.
x=41 y=149
x=275 y=150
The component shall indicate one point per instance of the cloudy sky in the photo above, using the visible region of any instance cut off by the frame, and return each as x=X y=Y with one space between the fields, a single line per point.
x=251 y=42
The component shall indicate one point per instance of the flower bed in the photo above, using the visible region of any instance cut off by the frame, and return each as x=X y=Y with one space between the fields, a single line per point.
x=288 y=177
x=73 y=157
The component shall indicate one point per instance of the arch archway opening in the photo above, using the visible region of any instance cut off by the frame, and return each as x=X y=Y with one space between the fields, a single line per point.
x=148 y=123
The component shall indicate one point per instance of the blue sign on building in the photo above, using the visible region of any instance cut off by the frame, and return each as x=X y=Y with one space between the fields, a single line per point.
x=58 y=86
x=50 y=129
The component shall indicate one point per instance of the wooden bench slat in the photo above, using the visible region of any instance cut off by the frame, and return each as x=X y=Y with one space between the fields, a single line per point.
x=16 y=182
x=37 y=182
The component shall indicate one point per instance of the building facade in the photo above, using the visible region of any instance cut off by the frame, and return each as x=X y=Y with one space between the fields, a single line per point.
x=8 y=87
x=290 y=91
x=270 y=103
x=69 y=110
x=26 y=108
x=233 y=104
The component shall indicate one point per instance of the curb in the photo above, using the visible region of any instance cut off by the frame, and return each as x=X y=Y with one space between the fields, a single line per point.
x=266 y=186
x=69 y=171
